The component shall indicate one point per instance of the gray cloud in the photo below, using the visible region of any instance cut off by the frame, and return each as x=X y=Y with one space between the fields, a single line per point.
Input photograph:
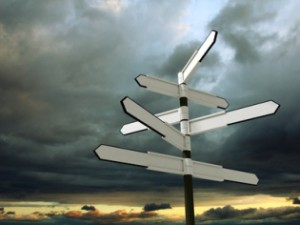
x=154 y=207
x=65 y=66
x=238 y=22
x=258 y=145
x=88 y=208
x=230 y=213
x=295 y=200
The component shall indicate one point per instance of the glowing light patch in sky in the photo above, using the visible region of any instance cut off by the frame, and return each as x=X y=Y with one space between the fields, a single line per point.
x=238 y=202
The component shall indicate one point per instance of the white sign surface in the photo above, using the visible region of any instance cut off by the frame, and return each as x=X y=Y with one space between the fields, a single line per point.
x=206 y=99
x=158 y=85
x=198 y=56
x=174 y=165
x=169 y=133
x=222 y=119
x=172 y=89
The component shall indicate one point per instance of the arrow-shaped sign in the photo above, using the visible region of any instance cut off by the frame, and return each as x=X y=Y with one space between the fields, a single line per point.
x=158 y=85
x=169 y=133
x=173 y=89
x=174 y=165
x=198 y=56
x=222 y=119
x=213 y=121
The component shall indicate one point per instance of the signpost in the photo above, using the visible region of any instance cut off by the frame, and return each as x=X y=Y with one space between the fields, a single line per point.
x=161 y=123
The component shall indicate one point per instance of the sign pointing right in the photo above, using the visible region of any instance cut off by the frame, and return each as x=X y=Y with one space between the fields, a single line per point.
x=218 y=120
x=198 y=55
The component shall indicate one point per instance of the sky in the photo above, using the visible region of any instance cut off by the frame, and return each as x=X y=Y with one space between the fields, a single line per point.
x=65 y=66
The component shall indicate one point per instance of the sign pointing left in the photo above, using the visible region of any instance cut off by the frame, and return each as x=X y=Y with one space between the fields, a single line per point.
x=168 y=132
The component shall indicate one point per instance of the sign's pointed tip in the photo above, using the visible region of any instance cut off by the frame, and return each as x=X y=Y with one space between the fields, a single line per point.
x=224 y=103
x=123 y=130
x=123 y=103
x=215 y=33
x=139 y=80
x=97 y=151
x=123 y=99
x=277 y=106
x=255 y=179
x=274 y=105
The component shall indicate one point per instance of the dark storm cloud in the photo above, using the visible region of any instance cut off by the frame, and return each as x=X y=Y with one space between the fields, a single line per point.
x=230 y=213
x=154 y=207
x=31 y=12
x=88 y=208
x=66 y=65
x=295 y=200
x=64 y=68
x=237 y=22
x=264 y=66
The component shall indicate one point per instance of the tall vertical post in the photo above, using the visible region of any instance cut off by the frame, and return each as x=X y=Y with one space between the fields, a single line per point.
x=186 y=153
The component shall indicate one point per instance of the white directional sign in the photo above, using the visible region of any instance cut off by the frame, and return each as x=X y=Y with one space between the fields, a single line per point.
x=158 y=85
x=174 y=165
x=198 y=55
x=213 y=121
x=222 y=119
x=173 y=89
x=169 y=133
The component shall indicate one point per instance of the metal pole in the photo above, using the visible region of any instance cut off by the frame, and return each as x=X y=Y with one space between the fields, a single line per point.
x=186 y=154
x=188 y=195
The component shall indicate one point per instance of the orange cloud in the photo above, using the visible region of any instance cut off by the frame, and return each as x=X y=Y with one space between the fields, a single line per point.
x=93 y=215
x=30 y=217
x=35 y=216
x=73 y=214
x=113 y=217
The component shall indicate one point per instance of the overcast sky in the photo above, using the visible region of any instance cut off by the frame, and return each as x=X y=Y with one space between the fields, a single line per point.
x=65 y=66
